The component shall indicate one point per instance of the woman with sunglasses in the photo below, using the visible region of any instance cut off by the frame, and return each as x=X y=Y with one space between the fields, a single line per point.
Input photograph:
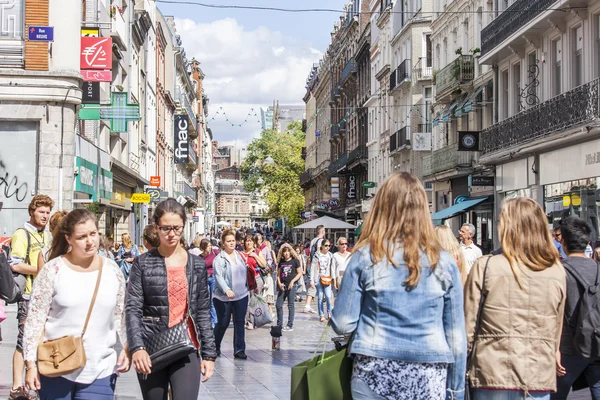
x=340 y=260
x=168 y=288
x=322 y=276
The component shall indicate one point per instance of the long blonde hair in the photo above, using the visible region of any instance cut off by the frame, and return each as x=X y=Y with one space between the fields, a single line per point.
x=126 y=239
x=524 y=236
x=400 y=217
x=449 y=243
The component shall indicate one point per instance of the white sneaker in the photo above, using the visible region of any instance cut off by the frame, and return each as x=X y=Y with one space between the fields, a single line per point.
x=288 y=329
x=309 y=310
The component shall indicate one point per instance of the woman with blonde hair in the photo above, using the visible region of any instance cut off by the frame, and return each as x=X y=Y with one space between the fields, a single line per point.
x=402 y=298
x=449 y=243
x=514 y=306
x=128 y=251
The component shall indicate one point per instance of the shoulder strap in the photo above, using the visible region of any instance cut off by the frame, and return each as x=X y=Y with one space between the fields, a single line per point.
x=478 y=321
x=26 y=259
x=87 y=319
x=578 y=277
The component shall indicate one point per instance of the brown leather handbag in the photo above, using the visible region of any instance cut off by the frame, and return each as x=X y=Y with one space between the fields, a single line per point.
x=64 y=355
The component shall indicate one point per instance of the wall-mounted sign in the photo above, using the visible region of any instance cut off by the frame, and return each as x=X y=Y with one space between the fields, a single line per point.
x=93 y=180
x=90 y=32
x=96 y=75
x=40 y=33
x=351 y=187
x=157 y=195
x=140 y=198
x=334 y=203
x=155 y=181
x=96 y=53
x=181 y=139
x=369 y=185
x=90 y=93
x=317 y=133
x=481 y=180
x=468 y=141
x=119 y=112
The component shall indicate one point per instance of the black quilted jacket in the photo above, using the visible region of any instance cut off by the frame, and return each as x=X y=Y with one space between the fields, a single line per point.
x=147 y=303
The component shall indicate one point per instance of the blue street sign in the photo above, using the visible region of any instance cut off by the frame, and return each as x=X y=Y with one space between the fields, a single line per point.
x=41 y=33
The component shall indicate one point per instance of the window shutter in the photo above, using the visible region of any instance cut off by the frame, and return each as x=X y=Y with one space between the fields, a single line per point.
x=11 y=34
x=36 y=53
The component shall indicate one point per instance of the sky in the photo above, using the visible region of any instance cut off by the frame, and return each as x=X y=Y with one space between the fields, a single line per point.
x=252 y=58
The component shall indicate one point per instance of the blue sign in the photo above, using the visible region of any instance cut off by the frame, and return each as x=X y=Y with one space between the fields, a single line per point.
x=41 y=33
x=318 y=133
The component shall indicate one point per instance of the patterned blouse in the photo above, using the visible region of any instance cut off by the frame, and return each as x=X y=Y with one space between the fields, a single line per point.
x=59 y=304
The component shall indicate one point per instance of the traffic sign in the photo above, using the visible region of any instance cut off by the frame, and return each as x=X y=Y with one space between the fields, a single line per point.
x=369 y=185
x=41 y=33
x=140 y=198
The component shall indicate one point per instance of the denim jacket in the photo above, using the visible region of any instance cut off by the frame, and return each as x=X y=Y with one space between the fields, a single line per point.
x=425 y=324
x=222 y=273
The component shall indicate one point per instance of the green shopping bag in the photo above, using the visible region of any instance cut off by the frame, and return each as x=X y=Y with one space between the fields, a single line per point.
x=323 y=377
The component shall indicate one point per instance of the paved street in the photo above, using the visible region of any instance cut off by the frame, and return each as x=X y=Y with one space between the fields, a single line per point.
x=265 y=375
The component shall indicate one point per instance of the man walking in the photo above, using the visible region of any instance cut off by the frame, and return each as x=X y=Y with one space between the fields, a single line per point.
x=581 y=274
x=311 y=290
x=26 y=244
x=469 y=249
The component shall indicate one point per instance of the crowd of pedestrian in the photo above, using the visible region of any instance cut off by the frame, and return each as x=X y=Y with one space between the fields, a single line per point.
x=427 y=315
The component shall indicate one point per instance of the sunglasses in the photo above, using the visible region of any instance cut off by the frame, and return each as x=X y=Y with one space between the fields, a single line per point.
x=167 y=229
x=343 y=244
x=326 y=245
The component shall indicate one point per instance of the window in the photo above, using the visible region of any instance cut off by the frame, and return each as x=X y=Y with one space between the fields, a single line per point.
x=557 y=67
x=532 y=75
x=11 y=33
x=465 y=44
x=578 y=56
x=517 y=88
x=428 y=51
x=426 y=114
x=504 y=103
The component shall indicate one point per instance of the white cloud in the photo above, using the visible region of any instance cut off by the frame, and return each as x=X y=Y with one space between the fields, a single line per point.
x=246 y=69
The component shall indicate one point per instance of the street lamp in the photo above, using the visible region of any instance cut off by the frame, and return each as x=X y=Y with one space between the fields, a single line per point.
x=269 y=160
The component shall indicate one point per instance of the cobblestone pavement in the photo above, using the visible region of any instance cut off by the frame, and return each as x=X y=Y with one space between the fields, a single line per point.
x=265 y=374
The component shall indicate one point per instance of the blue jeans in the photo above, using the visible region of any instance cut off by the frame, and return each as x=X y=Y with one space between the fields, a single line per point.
x=224 y=310
x=361 y=391
x=64 y=389
x=328 y=294
x=213 y=312
x=575 y=366
x=484 y=394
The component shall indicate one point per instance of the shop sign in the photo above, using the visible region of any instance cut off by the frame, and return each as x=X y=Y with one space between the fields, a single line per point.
x=351 y=185
x=592 y=158
x=96 y=75
x=90 y=93
x=96 y=53
x=41 y=33
x=468 y=141
x=91 y=179
x=181 y=139
x=157 y=195
x=155 y=181
x=369 y=185
x=334 y=203
x=140 y=198
x=481 y=180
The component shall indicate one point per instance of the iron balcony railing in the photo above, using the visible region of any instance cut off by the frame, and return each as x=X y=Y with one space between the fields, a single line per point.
x=447 y=158
x=306 y=177
x=400 y=74
x=400 y=140
x=185 y=189
x=515 y=17
x=575 y=107
x=350 y=69
x=424 y=68
x=338 y=164
x=452 y=75
x=359 y=153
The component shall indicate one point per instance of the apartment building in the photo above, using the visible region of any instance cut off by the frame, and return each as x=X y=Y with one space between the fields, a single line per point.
x=462 y=107
x=544 y=140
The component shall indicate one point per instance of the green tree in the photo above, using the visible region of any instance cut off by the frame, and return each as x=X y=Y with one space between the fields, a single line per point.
x=281 y=179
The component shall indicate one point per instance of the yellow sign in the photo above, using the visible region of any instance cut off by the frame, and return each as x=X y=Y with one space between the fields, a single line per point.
x=140 y=198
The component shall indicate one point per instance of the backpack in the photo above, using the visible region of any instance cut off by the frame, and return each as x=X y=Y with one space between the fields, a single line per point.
x=587 y=328
x=313 y=249
x=9 y=291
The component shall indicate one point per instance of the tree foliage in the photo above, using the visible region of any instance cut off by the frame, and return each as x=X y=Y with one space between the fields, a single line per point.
x=281 y=185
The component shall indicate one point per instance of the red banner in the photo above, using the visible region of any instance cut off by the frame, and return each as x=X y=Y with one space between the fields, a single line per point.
x=96 y=53
x=96 y=75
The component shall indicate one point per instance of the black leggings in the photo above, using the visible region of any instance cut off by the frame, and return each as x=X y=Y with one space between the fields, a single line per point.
x=183 y=375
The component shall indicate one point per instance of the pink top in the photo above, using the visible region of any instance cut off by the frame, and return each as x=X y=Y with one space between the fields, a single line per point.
x=178 y=291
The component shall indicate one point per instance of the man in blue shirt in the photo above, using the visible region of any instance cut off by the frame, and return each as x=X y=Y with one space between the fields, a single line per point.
x=557 y=237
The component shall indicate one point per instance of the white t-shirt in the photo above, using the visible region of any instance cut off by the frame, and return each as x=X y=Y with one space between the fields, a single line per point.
x=471 y=254
x=60 y=301
x=340 y=263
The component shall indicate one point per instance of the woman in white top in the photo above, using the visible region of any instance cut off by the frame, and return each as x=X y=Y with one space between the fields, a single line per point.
x=60 y=301
x=340 y=261
x=322 y=276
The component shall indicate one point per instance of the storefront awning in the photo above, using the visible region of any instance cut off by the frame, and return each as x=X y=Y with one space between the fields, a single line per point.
x=456 y=209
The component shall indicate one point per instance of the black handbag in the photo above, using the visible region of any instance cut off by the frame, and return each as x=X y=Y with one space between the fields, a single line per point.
x=174 y=343
x=169 y=345
x=470 y=354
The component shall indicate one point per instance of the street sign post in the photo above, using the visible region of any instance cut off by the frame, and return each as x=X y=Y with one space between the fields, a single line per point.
x=40 y=33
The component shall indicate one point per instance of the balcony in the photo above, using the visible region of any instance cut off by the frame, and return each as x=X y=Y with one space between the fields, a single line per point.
x=424 y=68
x=400 y=140
x=335 y=94
x=342 y=125
x=576 y=107
x=192 y=157
x=340 y=163
x=447 y=158
x=359 y=153
x=118 y=29
x=305 y=178
x=185 y=189
x=400 y=75
x=349 y=71
x=334 y=134
x=458 y=72
x=516 y=17
x=184 y=104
